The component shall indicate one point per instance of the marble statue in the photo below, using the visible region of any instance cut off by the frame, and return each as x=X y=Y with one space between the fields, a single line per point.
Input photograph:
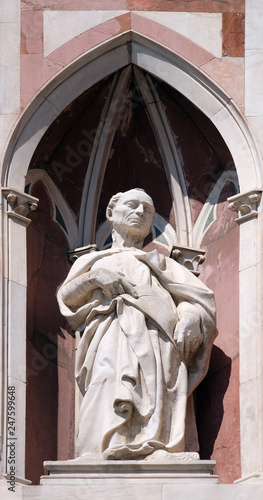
x=147 y=326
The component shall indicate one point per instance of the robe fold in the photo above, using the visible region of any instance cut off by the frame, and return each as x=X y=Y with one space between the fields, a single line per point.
x=137 y=390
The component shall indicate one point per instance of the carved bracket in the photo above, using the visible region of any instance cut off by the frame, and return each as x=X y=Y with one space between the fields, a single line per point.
x=20 y=204
x=188 y=257
x=246 y=205
x=75 y=254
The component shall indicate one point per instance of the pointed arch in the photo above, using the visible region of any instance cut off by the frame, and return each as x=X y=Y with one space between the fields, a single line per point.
x=164 y=64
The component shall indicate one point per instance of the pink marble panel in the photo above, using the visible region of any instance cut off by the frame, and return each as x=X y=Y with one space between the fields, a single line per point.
x=229 y=73
x=35 y=72
x=233 y=34
x=154 y=5
x=32 y=32
x=50 y=344
x=73 y=5
x=188 y=6
x=227 y=444
x=175 y=41
x=42 y=69
x=218 y=395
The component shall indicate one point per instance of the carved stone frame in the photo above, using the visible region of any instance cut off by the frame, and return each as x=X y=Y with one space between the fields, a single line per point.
x=221 y=110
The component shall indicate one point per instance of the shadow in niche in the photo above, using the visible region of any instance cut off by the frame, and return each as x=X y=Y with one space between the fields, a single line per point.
x=209 y=401
x=50 y=346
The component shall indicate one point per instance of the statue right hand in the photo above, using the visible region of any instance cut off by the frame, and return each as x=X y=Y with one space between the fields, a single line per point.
x=113 y=284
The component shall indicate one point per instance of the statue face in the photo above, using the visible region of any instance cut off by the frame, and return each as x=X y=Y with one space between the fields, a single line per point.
x=133 y=213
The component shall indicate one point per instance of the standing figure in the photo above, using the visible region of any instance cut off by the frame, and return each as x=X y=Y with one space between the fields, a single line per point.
x=147 y=327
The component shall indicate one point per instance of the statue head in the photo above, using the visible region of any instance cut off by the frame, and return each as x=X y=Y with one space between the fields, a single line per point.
x=131 y=213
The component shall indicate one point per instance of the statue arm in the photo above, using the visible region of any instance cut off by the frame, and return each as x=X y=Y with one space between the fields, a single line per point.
x=77 y=292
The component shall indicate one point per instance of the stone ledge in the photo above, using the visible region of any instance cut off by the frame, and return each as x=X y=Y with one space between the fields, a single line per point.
x=82 y=472
x=135 y=491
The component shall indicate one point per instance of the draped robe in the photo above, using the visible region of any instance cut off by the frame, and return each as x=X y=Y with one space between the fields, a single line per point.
x=137 y=389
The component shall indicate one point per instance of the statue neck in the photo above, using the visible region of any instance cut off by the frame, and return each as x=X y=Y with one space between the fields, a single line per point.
x=124 y=240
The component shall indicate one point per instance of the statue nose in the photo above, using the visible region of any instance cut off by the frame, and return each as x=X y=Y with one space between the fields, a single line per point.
x=139 y=209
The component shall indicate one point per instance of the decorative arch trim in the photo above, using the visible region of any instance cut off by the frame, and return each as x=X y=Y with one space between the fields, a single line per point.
x=154 y=59
x=58 y=201
x=202 y=223
x=98 y=35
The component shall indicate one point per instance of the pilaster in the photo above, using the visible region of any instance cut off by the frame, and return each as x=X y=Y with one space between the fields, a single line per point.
x=249 y=218
x=16 y=205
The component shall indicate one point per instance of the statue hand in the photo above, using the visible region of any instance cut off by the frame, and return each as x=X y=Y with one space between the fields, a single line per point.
x=112 y=283
x=188 y=335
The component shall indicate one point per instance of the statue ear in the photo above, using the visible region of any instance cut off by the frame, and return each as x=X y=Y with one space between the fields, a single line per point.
x=109 y=214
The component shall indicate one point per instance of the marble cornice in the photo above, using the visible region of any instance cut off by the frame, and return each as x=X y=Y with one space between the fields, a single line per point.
x=245 y=204
x=19 y=204
x=188 y=257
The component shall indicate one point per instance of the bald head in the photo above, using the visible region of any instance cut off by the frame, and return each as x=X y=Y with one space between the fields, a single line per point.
x=131 y=212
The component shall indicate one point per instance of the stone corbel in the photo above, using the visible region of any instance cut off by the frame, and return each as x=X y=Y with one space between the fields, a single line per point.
x=19 y=204
x=75 y=254
x=188 y=257
x=246 y=205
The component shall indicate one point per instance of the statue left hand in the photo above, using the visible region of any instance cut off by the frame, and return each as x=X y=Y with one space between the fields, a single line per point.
x=188 y=335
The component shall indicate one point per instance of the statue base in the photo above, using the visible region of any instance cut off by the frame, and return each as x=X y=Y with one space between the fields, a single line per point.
x=122 y=474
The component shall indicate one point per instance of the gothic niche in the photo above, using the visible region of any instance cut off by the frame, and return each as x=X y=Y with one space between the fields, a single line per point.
x=131 y=130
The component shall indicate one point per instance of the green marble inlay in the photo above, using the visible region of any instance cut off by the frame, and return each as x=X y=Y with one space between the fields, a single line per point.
x=60 y=219
x=160 y=237
x=209 y=219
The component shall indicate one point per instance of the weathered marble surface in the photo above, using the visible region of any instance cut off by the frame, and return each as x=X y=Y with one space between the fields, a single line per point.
x=147 y=329
x=202 y=28
x=135 y=489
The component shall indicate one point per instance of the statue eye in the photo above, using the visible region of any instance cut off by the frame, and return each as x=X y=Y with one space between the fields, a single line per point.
x=147 y=209
x=130 y=204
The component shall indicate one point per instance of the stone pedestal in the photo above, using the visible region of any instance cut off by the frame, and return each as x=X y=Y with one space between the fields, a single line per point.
x=134 y=480
x=126 y=473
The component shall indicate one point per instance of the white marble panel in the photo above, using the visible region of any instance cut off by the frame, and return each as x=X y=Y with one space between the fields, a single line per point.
x=248 y=248
x=6 y=124
x=9 y=11
x=17 y=327
x=10 y=44
x=17 y=251
x=256 y=123
x=250 y=323
x=55 y=33
x=20 y=409
x=9 y=90
x=202 y=28
x=136 y=492
x=249 y=418
x=254 y=82
x=254 y=23
x=217 y=492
